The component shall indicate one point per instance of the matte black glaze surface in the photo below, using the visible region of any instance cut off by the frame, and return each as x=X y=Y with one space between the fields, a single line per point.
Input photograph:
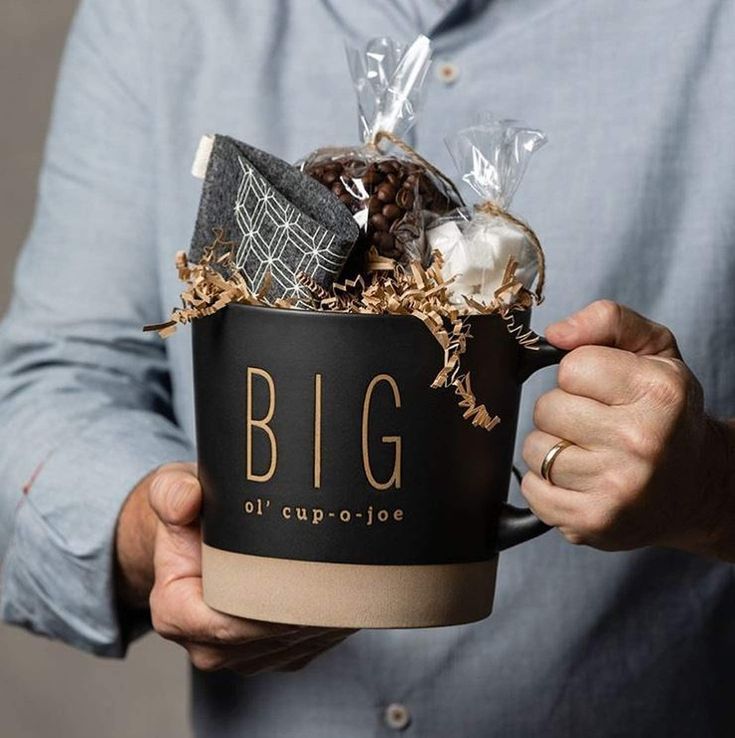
x=454 y=477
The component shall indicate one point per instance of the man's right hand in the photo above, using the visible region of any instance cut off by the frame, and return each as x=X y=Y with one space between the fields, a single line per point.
x=167 y=505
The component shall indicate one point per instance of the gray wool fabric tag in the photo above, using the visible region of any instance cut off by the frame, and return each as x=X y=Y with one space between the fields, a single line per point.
x=282 y=221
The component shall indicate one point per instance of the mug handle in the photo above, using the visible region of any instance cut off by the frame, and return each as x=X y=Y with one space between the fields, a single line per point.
x=518 y=524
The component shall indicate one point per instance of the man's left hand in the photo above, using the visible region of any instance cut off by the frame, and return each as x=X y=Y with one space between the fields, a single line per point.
x=647 y=467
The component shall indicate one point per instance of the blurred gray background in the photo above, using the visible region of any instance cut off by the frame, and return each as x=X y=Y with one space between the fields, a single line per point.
x=47 y=689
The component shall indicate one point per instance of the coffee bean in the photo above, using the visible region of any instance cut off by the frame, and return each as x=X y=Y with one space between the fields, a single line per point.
x=398 y=191
x=405 y=198
x=387 y=166
x=383 y=240
x=391 y=212
x=386 y=192
x=370 y=176
x=374 y=205
x=379 y=221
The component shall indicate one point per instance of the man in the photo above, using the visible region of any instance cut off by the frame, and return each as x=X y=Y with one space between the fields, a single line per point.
x=633 y=201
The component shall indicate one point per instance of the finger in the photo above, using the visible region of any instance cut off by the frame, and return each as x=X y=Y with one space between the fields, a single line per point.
x=287 y=658
x=608 y=375
x=251 y=657
x=581 y=420
x=298 y=665
x=303 y=662
x=282 y=642
x=553 y=504
x=206 y=657
x=176 y=495
x=573 y=468
x=256 y=658
x=606 y=323
x=179 y=613
x=279 y=645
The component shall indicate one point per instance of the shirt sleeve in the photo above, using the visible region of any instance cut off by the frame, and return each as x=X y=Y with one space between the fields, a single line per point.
x=85 y=403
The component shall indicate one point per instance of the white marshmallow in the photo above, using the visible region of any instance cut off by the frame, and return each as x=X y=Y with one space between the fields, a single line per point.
x=478 y=254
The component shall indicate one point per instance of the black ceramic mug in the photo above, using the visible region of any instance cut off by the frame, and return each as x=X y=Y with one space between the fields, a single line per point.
x=339 y=488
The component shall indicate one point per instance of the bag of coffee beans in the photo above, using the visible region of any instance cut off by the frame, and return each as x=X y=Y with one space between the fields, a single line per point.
x=485 y=248
x=393 y=197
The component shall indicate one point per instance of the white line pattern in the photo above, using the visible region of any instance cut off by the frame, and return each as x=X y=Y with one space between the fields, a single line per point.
x=278 y=238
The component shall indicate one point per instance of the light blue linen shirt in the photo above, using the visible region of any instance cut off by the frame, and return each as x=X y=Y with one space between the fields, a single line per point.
x=634 y=200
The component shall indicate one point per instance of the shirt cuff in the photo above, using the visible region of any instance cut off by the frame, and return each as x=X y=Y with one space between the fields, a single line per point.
x=58 y=574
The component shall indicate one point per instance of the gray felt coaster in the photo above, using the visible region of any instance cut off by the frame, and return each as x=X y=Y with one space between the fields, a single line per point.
x=281 y=220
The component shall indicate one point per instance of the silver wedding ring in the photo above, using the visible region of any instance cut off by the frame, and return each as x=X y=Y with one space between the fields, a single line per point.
x=550 y=458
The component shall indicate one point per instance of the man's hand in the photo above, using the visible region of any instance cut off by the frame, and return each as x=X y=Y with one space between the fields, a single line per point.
x=159 y=552
x=647 y=467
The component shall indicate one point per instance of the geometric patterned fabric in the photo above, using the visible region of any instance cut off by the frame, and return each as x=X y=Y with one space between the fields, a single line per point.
x=277 y=238
x=282 y=221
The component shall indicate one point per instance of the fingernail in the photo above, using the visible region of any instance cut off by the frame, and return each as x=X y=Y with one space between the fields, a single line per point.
x=562 y=328
x=559 y=330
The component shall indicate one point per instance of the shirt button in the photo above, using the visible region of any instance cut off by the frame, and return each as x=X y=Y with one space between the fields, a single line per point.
x=397 y=716
x=447 y=72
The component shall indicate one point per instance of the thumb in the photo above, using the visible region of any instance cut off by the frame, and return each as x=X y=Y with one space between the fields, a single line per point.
x=175 y=494
x=176 y=497
x=606 y=323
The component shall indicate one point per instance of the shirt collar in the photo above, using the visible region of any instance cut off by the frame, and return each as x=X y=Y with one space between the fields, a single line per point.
x=435 y=16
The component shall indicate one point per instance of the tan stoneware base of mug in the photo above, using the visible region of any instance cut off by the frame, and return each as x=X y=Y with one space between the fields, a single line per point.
x=347 y=595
